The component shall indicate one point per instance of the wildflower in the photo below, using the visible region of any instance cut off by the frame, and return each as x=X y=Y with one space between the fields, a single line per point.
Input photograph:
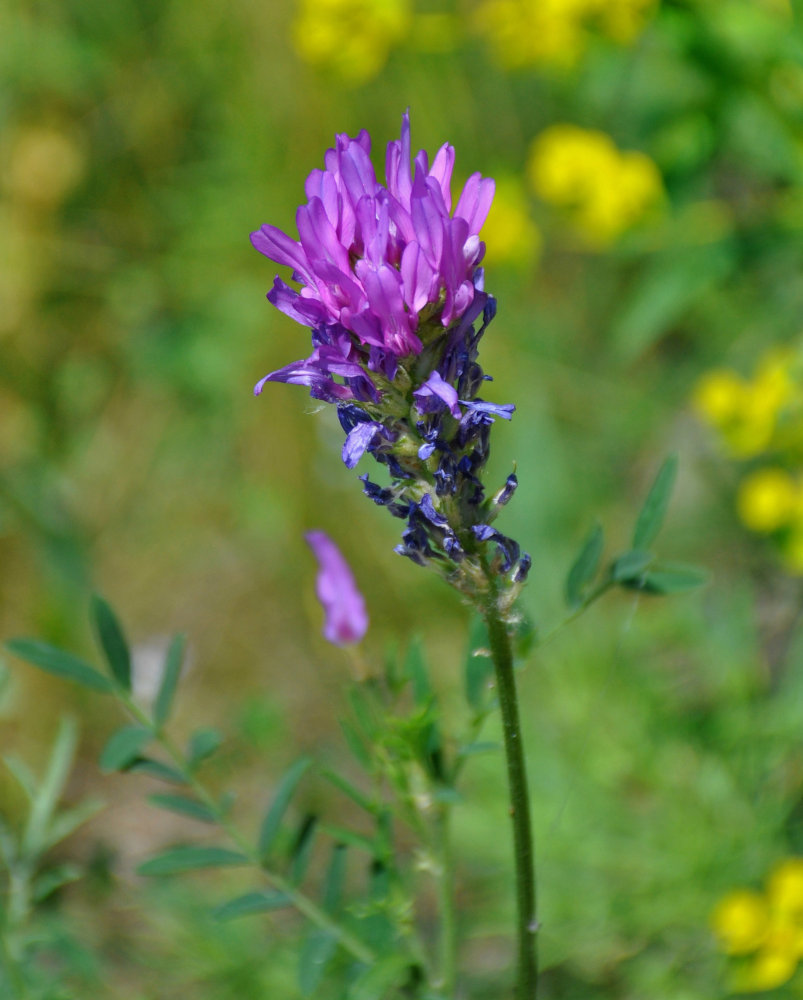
x=392 y=290
x=766 y=500
x=351 y=38
x=344 y=606
x=605 y=191
x=763 y=929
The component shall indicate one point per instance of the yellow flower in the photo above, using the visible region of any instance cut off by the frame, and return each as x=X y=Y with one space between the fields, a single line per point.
x=785 y=888
x=741 y=922
x=510 y=235
x=768 y=970
x=350 y=37
x=525 y=32
x=766 y=500
x=719 y=397
x=604 y=190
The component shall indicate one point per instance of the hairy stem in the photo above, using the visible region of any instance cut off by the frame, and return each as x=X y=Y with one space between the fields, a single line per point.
x=526 y=925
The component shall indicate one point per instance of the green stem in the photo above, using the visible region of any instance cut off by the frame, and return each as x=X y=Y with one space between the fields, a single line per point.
x=314 y=913
x=11 y=970
x=527 y=925
x=446 y=904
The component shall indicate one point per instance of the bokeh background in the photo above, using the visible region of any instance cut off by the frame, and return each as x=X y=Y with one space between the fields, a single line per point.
x=647 y=232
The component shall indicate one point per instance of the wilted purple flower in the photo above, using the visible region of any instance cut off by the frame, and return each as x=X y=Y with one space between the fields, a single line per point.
x=346 y=619
x=374 y=261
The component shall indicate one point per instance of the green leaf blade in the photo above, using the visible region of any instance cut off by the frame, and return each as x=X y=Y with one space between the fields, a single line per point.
x=112 y=641
x=630 y=566
x=186 y=859
x=123 y=748
x=55 y=661
x=183 y=805
x=584 y=568
x=169 y=682
x=250 y=903
x=652 y=514
x=281 y=800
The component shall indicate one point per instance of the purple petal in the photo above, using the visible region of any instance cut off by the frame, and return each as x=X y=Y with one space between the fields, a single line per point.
x=504 y=410
x=346 y=619
x=278 y=247
x=306 y=311
x=418 y=278
x=475 y=201
x=435 y=390
x=358 y=440
x=442 y=167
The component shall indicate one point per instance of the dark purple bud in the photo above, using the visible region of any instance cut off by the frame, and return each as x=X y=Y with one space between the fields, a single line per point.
x=523 y=568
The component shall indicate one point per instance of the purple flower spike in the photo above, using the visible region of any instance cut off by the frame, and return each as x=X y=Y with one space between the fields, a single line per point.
x=346 y=619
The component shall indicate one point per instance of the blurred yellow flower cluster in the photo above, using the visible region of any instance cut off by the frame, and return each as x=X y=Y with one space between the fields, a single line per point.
x=763 y=929
x=604 y=190
x=350 y=38
x=511 y=236
x=762 y=418
x=556 y=32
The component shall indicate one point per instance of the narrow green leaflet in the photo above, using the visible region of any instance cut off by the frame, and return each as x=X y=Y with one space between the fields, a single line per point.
x=278 y=807
x=356 y=743
x=350 y=837
x=170 y=676
x=203 y=744
x=374 y=983
x=156 y=769
x=124 y=747
x=584 y=568
x=56 y=661
x=651 y=516
x=251 y=902
x=630 y=566
x=113 y=642
x=415 y=667
x=184 y=805
x=187 y=859
x=335 y=876
x=302 y=848
x=316 y=952
x=673 y=578
x=350 y=790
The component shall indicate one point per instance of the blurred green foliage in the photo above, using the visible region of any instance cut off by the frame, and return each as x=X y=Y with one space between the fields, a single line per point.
x=140 y=142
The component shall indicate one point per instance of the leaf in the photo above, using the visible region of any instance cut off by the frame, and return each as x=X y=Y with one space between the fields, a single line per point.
x=56 y=661
x=377 y=979
x=278 y=807
x=335 y=876
x=350 y=837
x=156 y=769
x=169 y=682
x=47 y=882
x=124 y=747
x=68 y=821
x=302 y=848
x=113 y=642
x=630 y=566
x=673 y=578
x=584 y=568
x=50 y=789
x=651 y=516
x=184 y=805
x=479 y=667
x=251 y=902
x=349 y=789
x=356 y=744
x=186 y=859
x=316 y=952
x=416 y=669
x=203 y=744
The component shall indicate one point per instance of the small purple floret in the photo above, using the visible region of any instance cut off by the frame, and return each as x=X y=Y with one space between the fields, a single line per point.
x=346 y=619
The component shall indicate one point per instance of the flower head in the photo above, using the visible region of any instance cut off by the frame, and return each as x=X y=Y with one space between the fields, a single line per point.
x=391 y=289
x=346 y=619
x=376 y=263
